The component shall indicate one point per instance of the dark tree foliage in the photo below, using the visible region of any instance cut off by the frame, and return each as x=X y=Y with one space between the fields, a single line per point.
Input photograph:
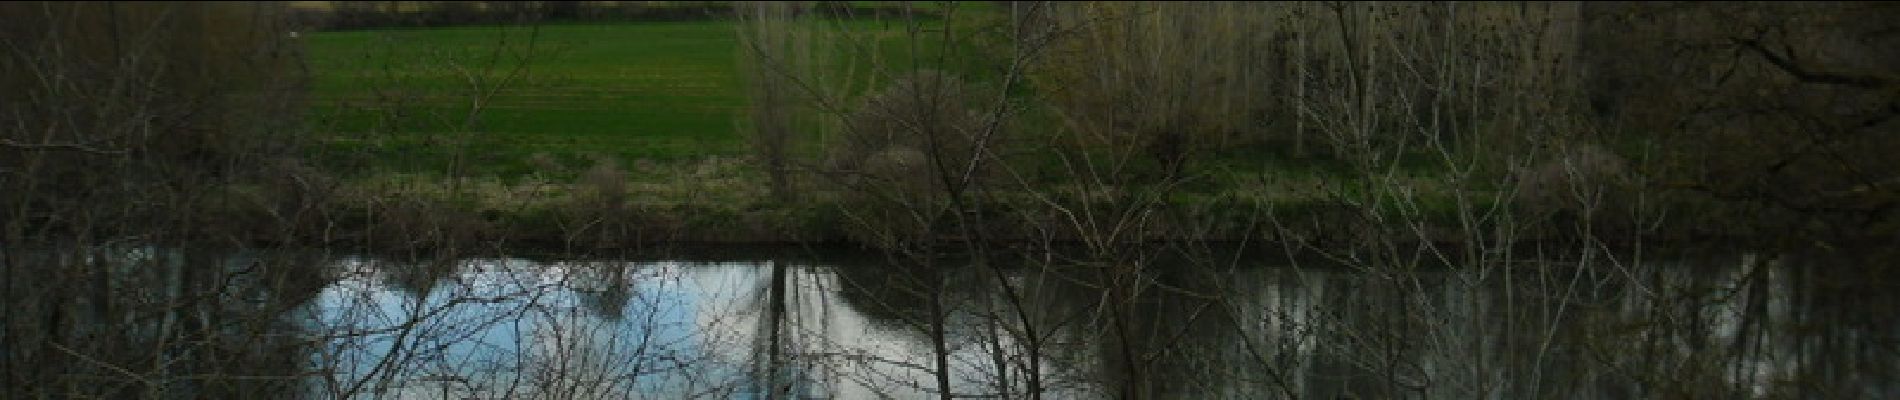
x=1780 y=116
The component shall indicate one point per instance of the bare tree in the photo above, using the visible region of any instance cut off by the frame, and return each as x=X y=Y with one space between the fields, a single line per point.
x=125 y=126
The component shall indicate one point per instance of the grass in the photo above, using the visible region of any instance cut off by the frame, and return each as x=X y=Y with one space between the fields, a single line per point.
x=397 y=100
x=664 y=98
x=660 y=91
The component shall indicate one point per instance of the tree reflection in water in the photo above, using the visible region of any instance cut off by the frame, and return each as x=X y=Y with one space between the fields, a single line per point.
x=311 y=325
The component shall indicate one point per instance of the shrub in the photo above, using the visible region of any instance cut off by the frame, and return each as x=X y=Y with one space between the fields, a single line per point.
x=921 y=126
x=904 y=147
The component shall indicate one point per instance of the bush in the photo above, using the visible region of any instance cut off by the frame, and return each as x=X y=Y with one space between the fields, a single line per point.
x=905 y=144
x=911 y=133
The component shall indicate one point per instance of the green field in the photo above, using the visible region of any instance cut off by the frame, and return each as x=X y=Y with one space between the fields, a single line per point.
x=398 y=100
x=667 y=101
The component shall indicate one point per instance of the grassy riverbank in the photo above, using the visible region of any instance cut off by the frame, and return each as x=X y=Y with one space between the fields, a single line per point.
x=616 y=134
x=592 y=135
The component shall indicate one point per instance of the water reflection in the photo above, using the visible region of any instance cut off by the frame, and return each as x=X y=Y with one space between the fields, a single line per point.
x=141 y=322
x=149 y=323
x=510 y=328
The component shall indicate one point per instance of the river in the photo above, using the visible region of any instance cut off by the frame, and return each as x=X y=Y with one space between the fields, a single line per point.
x=862 y=325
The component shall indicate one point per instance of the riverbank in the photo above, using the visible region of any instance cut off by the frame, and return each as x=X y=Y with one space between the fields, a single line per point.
x=725 y=200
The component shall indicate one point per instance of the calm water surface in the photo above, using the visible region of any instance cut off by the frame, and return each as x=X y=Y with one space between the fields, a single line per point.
x=1740 y=326
x=148 y=323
